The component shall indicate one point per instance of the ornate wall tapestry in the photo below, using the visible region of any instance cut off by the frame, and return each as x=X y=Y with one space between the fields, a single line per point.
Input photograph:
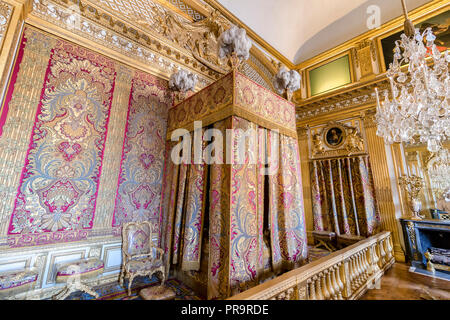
x=72 y=113
x=59 y=183
x=140 y=181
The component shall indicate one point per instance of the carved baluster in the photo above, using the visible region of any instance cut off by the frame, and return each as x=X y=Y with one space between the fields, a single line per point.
x=352 y=272
x=357 y=271
x=334 y=283
x=345 y=275
x=382 y=254
x=330 y=287
x=339 y=282
x=312 y=288
x=363 y=266
x=319 y=293
x=363 y=256
x=326 y=293
x=375 y=259
x=388 y=248
x=367 y=258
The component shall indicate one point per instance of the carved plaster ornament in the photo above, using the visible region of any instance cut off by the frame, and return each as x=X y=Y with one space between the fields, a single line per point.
x=200 y=38
x=318 y=147
x=354 y=141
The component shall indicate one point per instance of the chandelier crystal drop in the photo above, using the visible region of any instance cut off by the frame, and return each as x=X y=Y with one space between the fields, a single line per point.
x=439 y=172
x=419 y=104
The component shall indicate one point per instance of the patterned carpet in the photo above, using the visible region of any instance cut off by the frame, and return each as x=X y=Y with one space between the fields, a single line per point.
x=113 y=291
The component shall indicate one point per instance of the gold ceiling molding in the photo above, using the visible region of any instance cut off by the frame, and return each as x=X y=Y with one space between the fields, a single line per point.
x=6 y=10
x=196 y=15
x=200 y=37
x=346 y=100
x=155 y=26
x=101 y=27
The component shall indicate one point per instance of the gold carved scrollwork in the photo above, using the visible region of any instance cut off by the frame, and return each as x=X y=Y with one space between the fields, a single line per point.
x=350 y=141
x=365 y=53
x=200 y=37
x=5 y=15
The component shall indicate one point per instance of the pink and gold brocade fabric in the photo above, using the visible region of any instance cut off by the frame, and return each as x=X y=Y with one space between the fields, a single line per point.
x=234 y=94
x=71 y=92
x=236 y=191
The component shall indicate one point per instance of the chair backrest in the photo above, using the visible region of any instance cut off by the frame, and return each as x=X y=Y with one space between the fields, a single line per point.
x=137 y=238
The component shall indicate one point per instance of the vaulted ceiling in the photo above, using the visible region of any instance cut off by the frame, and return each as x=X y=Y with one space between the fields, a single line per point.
x=301 y=29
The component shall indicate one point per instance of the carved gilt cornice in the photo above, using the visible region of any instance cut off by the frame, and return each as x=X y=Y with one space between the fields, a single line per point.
x=98 y=25
x=343 y=100
x=5 y=16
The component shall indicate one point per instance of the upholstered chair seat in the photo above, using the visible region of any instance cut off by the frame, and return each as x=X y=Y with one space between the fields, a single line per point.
x=17 y=280
x=84 y=268
x=143 y=265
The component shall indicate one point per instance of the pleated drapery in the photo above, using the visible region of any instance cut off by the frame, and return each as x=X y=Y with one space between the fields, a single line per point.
x=343 y=198
x=236 y=209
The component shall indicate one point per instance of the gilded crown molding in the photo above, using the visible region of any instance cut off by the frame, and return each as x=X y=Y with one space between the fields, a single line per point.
x=101 y=27
x=6 y=10
x=355 y=98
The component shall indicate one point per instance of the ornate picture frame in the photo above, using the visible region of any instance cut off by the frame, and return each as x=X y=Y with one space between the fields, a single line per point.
x=336 y=139
x=334 y=136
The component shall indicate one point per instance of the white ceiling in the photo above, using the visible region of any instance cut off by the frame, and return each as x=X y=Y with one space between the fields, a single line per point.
x=301 y=29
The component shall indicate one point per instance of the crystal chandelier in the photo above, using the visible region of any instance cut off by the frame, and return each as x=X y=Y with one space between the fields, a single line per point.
x=439 y=172
x=419 y=105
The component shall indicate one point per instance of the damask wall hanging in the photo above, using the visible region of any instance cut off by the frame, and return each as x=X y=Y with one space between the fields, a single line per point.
x=72 y=113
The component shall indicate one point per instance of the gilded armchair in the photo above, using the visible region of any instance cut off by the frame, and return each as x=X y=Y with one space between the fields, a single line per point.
x=139 y=255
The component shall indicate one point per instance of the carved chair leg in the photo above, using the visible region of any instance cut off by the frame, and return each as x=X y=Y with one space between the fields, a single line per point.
x=163 y=277
x=130 y=281
x=62 y=293
x=88 y=290
x=121 y=276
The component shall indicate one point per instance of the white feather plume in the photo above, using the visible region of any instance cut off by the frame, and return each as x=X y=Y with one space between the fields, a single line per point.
x=183 y=81
x=286 y=79
x=234 y=40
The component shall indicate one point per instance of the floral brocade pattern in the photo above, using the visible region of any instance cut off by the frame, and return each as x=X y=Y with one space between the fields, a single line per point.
x=92 y=135
x=59 y=182
x=343 y=197
x=140 y=181
x=237 y=95
x=202 y=104
x=264 y=103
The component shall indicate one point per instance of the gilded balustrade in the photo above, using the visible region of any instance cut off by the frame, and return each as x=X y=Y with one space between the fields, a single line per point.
x=343 y=275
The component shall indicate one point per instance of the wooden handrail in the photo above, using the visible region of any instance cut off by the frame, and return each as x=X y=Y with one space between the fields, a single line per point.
x=343 y=275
